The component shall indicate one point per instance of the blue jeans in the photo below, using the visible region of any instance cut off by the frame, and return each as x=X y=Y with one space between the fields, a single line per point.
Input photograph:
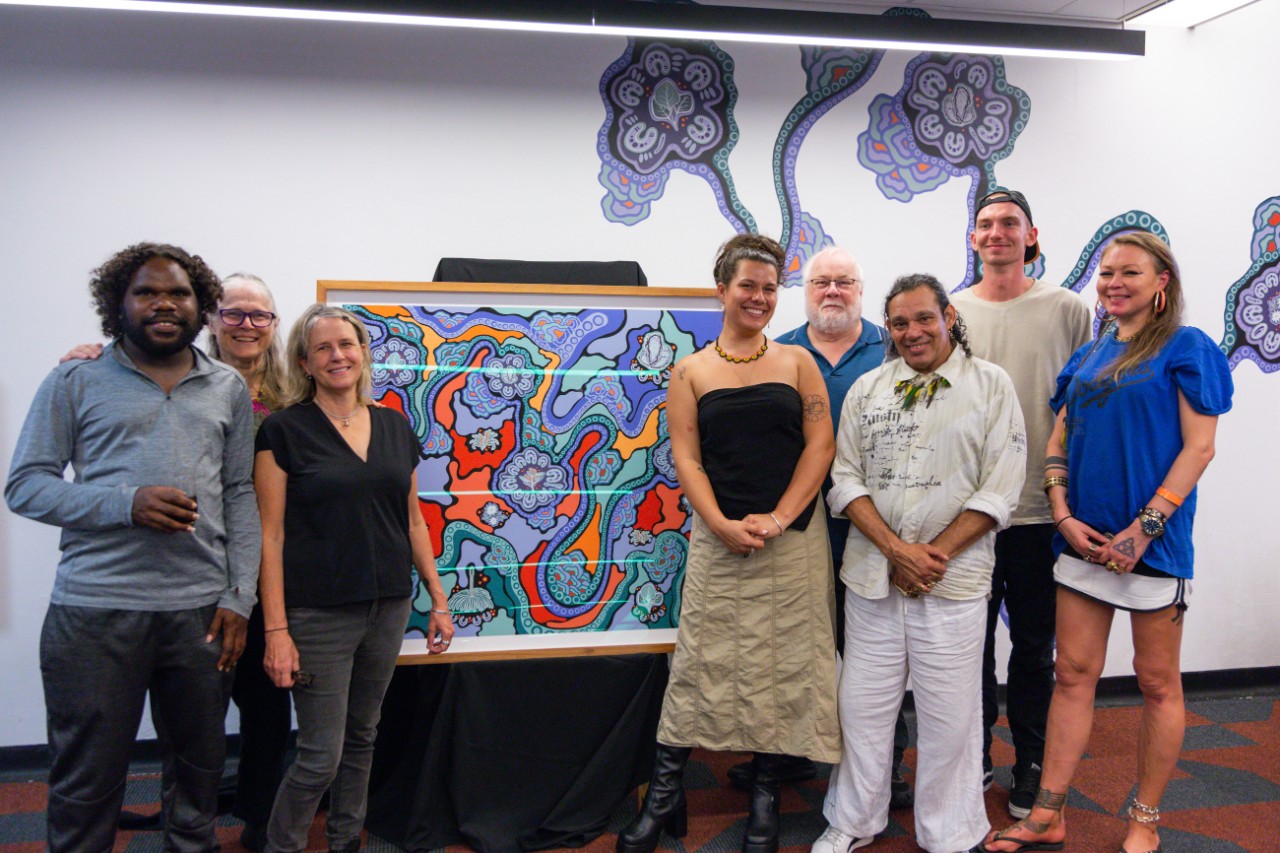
x=1023 y=580
x=98 y=666
x=350 y=653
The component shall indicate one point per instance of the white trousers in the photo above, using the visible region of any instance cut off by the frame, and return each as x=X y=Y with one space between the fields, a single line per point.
x=940 y=643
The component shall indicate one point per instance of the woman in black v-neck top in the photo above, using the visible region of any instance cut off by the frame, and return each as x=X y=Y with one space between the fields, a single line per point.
x=341 y=529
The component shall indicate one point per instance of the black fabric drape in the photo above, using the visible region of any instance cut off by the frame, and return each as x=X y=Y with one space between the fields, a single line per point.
x=520 y=755
x=610 y=273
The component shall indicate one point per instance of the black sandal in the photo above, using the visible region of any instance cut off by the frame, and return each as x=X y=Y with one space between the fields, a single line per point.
x=1045 y=800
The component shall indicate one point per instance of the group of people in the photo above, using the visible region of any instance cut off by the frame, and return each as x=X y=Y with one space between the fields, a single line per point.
x=246 y=526
x=240 y=526
x=1001 y=457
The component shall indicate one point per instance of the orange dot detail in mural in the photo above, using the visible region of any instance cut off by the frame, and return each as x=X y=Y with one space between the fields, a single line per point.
x=923 y=167
x=1271 y=245
x=1275 y=218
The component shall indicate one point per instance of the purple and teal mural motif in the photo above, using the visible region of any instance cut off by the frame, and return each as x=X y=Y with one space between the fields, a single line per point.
x=667 y=107
x=1252 y=315
x=955 y=116
x=831 y=76
x=670 y=106
x=547 y=479
x=1091 y=255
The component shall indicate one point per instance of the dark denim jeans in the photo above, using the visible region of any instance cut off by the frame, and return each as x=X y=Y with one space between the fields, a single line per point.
x=98 y=666
x=266 y=719
x=350 y=653
x=1023 y=580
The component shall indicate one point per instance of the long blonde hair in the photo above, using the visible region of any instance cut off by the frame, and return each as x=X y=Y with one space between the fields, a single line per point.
x=1152 y=337
x=299 y=387
x=272 y=378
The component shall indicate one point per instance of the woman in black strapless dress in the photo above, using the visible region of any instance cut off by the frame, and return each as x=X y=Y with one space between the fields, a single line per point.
x=754 y=668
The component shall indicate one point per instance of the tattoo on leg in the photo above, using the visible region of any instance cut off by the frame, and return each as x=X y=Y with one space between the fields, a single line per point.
x=815 y=408
x=1047 y=799
x=1124 y=546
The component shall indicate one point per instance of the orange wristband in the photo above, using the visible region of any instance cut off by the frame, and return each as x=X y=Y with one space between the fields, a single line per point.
x=1172 y=497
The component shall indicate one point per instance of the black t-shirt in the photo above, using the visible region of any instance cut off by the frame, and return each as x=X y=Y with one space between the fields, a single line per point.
x=346 y=521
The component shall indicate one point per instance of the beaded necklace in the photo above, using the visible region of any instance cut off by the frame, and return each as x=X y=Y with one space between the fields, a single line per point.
x=735 y=360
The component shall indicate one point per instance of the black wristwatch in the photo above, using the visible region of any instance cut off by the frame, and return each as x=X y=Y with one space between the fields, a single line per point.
x=1152 y=522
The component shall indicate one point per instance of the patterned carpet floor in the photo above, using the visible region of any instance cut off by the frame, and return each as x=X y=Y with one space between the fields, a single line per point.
x=1225 y=796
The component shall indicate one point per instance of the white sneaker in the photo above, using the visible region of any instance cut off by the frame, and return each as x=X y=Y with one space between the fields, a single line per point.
x=835 y=841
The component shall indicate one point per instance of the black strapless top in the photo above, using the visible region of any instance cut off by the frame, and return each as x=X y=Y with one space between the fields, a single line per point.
x=752 y=439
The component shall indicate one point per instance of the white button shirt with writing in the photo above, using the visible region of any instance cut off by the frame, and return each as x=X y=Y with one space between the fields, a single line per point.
x=922 y=466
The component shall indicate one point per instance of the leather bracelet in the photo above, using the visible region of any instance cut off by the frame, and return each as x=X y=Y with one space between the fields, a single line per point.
x=281 y=628
x=1057 y=523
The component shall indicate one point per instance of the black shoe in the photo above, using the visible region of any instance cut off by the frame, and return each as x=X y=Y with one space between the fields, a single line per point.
x=761 y=835
x=791 y=769
x=253 y=837
x=664 y=804
x=1026 y=783
x=900 y=794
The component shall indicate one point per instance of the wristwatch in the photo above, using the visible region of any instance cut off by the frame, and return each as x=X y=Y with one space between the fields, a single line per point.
x=1152 y=522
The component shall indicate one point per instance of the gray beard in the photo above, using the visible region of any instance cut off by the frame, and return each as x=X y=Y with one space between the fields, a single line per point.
x=831 y=323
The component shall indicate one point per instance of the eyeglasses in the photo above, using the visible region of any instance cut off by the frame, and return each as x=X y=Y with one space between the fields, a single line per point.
x=236 y=317
x=841 y=283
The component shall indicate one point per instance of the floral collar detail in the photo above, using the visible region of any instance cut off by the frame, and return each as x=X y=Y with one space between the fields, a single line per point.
x=911 y=390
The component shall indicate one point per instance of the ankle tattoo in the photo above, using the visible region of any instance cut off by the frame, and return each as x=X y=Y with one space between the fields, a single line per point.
x=1143 y=813
x=1046 y=799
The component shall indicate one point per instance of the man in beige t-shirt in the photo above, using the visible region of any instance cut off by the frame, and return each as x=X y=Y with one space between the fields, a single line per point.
x=1030 y=329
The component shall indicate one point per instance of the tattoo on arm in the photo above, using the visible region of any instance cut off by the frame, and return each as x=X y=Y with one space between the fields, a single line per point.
x=681 y=372
x=700 y=470
x=1055 y=462
x=1124 y=546
x=815 y=408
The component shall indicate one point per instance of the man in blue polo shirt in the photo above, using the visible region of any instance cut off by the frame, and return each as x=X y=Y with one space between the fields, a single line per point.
x=845 y=345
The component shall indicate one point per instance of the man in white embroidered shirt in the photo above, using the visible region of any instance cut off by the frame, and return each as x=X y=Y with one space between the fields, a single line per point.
x=930 y=460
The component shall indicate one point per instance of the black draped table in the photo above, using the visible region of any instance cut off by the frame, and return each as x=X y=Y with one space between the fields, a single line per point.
x=513 y=755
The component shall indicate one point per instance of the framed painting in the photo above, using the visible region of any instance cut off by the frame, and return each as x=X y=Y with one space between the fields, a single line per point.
x=546 y=478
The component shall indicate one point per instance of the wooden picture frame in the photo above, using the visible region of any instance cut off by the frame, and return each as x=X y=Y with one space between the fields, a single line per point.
x=556 y=519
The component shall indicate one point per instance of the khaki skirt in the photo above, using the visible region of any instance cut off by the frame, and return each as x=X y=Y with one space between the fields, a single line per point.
x=754 y=668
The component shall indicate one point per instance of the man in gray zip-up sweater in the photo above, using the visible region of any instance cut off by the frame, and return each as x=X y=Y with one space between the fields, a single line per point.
x=160 y=547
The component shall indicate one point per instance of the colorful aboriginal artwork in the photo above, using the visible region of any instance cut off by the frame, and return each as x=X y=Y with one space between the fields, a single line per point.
x=547 y=477
x=1253 y=303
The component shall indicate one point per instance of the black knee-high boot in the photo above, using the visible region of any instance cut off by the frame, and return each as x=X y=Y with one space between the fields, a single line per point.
x=664 y=804
x=762 y=820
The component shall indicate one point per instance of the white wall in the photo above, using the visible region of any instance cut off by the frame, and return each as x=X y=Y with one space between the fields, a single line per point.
x=304 y=150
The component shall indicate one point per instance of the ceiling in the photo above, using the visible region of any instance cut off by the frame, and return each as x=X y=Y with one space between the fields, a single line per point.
x=1066 y=12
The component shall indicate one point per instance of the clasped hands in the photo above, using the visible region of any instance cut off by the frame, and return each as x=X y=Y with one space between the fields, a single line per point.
x=916 y=568
x=748 y=535
x=1118 y=554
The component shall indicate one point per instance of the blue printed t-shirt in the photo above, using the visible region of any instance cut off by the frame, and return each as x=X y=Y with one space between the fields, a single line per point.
x=1122 y=438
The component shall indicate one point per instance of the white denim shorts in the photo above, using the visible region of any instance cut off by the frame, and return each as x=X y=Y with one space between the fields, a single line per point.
x=1136 y=593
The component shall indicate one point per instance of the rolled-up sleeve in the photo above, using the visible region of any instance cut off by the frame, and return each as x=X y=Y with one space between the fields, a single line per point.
x=848 y=471
x=1004 y=457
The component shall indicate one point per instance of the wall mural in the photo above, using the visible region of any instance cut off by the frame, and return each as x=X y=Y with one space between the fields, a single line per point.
x=547 y=476
x=1252 y=314
x=670 y=106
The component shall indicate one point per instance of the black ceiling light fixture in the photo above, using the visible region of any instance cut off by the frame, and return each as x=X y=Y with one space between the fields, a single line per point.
x=668 y=20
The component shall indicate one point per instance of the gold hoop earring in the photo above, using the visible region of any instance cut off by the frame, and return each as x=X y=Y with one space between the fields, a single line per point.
x=1161 y=302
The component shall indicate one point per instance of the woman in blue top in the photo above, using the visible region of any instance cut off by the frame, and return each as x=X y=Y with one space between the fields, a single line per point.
x=1137 y=411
